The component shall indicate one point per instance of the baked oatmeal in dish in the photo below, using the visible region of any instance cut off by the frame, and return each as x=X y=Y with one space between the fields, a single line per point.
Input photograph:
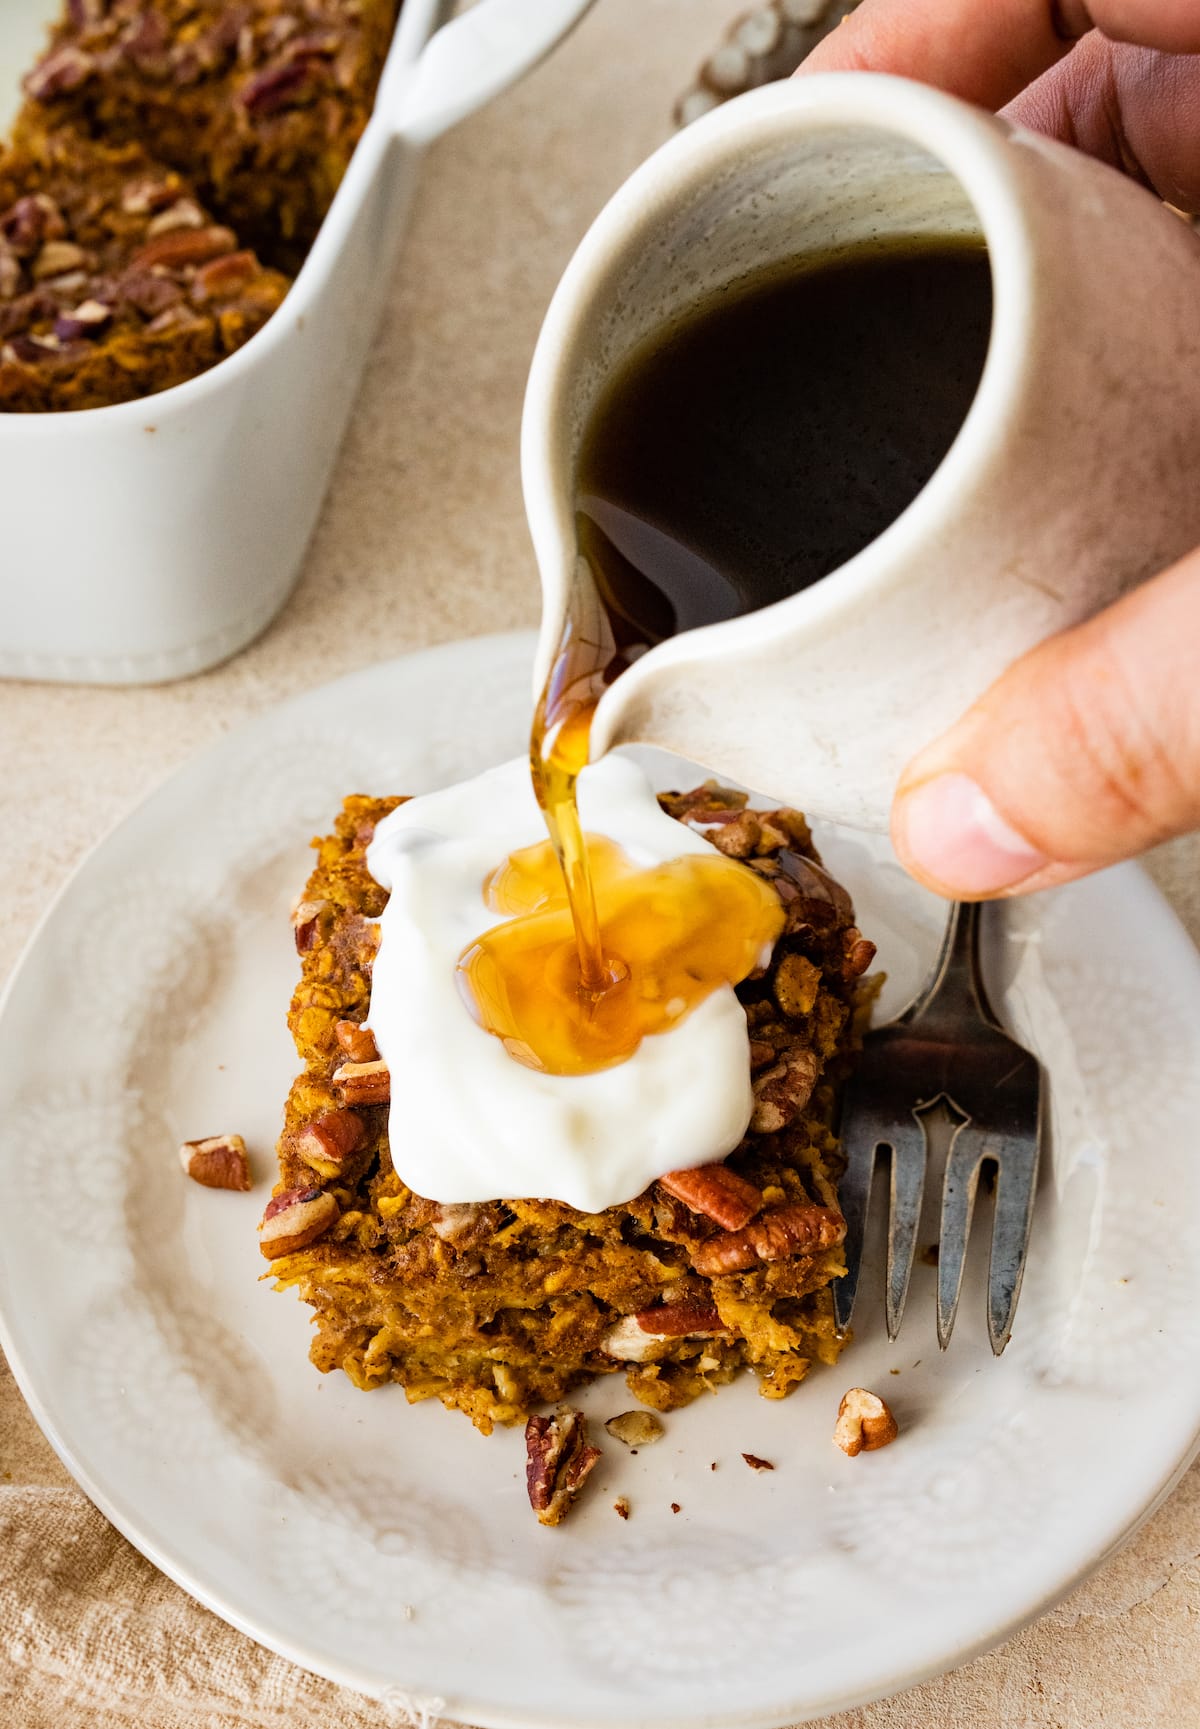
x=258 y=102
x=499 y=1307
x=114 y=280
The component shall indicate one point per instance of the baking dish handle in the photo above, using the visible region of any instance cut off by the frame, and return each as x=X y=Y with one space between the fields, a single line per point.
x=472 y=59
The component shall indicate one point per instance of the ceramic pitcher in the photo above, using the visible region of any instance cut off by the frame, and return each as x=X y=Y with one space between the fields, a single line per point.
x=1072 y=477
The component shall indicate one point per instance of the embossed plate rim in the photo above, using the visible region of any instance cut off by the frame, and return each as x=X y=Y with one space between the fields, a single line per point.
x=547 y=1578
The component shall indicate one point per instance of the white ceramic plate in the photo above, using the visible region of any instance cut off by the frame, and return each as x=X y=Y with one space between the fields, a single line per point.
x=392 y=1547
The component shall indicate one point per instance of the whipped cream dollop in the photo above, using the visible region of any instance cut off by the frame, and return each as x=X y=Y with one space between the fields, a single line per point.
x=469 y=1123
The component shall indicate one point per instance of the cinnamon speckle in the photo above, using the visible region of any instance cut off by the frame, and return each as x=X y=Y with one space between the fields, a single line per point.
x=757 y=1464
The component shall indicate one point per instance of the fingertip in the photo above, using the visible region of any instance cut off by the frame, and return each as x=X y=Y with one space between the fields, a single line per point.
x=950 y=836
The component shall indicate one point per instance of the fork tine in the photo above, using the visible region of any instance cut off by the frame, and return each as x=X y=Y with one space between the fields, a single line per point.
x=854 y=1196
x=958 y=1201
x=909 y=1158
x=1016 y=1183
x=945 y=1059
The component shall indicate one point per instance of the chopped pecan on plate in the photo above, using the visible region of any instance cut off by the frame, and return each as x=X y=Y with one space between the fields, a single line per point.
x=219 y=1162
x=864 y=1423
x=636 y=1428
x=558 y=1462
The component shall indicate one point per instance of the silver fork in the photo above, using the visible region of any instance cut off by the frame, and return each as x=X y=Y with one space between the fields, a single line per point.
x=946 y=1048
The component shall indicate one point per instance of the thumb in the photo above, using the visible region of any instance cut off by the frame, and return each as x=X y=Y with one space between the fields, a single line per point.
x=1084 y=752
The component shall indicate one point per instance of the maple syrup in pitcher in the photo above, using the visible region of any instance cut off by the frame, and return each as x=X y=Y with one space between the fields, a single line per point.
x=736 y=458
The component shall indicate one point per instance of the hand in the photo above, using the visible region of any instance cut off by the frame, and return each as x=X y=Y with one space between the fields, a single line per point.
x=1088 y=749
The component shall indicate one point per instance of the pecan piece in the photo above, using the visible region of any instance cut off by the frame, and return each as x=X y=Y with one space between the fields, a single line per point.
x=149 y=294
x=690 y=1317
x=735 y=835
x=141 y=197
x=64 y=70
x=71 y=282
x=224 y=275
x=558 y=1462
x=455 y=1219
x=278 y=86
x=635 y=1338
x=217 y=1163
x=184 y=246
x=636 y=1428
x=295 y=1219
x=176 y=318
x=306 y=921
x=56 y=257
x=703 y=804
x=29 y=350
x=864 y=1422
x=781 y=1092
x=329 y=1141
x=364 y=1083
x=629 y=1342
x=821 y=899
x=716 y=1192
x=31 y=221
x=88 y=319
x=184 y=213
x=795 y=1229
x=859 y=953
x=357 y=1042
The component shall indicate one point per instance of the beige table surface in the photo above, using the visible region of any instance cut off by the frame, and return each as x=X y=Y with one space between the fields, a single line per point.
x=423 y=540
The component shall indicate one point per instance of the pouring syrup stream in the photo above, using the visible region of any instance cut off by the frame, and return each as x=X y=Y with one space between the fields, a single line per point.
x=598 y=953
x=558 y=752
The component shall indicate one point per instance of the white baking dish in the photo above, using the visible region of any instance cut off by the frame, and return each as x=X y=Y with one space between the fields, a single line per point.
x=151 y=539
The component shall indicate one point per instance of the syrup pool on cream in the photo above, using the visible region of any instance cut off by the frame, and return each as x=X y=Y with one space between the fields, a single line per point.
x=469 y=1123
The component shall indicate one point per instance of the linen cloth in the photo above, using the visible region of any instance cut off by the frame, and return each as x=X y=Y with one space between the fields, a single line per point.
x=423 y=540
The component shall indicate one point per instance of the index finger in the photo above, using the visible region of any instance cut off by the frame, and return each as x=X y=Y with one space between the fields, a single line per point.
x=987 y=52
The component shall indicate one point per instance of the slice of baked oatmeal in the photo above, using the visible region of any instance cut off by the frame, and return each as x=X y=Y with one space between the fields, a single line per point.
x=114 y=281
x=501 y=1307
x=259 y=102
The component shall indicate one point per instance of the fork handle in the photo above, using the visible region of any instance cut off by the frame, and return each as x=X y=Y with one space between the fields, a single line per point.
x=955 y=987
